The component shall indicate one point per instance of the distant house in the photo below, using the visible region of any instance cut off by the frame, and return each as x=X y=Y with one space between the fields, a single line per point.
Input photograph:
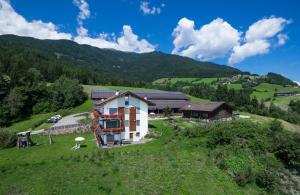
x=161 y=99
x=209 y=111
x=293 y=93
x=122 y=117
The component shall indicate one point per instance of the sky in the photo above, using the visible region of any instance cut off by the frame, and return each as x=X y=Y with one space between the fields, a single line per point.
x=251 y=35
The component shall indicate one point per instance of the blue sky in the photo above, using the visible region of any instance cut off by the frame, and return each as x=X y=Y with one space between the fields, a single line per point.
x=212 y=30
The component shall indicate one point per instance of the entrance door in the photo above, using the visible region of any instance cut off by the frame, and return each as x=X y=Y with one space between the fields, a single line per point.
x=110 y=139
x=131 y=136
x=132 y=119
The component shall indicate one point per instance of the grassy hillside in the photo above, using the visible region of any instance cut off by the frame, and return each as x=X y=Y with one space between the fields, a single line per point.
x=165 y=166
x=267 y=120
x=188 y=80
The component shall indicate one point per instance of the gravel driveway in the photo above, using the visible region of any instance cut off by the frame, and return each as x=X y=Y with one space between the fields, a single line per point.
x=70 y=119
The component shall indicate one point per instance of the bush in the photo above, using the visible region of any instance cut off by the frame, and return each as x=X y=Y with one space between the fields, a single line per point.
x=244 y=177
x=276 y=126
x=7 y=138
x=267 y=179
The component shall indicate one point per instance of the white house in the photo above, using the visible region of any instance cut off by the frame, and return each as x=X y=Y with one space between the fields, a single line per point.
x=121 y=117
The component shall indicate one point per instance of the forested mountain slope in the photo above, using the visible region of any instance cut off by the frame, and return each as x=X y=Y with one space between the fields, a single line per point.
x=93 y=65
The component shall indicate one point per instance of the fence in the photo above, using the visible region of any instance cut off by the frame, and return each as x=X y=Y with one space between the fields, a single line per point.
x=66 y=129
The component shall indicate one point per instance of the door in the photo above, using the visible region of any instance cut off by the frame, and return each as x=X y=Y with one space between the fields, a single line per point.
x=132 y=119
x=110 y=139
x=131 y=136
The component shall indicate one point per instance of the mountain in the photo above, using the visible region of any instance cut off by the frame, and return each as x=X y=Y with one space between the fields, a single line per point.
x=93 y=65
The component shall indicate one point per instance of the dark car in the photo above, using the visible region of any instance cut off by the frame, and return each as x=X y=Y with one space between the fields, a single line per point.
x=52 y=120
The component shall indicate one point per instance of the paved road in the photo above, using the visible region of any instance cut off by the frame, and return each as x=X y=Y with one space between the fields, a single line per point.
x=70 y=119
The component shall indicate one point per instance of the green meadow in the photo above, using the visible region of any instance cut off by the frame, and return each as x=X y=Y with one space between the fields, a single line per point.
x=168 y=165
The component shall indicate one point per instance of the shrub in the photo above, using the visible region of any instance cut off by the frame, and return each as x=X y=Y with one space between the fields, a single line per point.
x=244 y=177
x=276 y=126
x=7 y=138
x=267 y=179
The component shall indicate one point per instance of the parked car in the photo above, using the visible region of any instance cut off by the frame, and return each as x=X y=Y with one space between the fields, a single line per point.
x=52 y=120
x=58 y=116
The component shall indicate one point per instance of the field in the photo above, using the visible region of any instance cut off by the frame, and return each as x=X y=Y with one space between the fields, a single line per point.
x=267 y=120
x=164 y=166
x=190 y=80
x=267 y=90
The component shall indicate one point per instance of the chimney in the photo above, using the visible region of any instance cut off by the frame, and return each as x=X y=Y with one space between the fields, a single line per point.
x=117 y=92
x=146 y=98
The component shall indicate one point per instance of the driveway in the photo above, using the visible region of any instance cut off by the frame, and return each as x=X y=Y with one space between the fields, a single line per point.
x=70 y=119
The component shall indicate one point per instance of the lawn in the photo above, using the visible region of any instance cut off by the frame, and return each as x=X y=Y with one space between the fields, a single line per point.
x=267 y=90
x=207 y=80
x=196 y=99
x=190 y=80
x=283 y=102
x=168 y=165
x=235 y=86
x=174 y=80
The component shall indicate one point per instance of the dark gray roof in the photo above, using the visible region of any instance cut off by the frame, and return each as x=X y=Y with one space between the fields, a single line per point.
x=161 y=104
x=205 y=107
x=151 y=95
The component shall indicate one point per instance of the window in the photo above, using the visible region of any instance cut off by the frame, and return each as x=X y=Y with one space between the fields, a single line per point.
x=137 y=122
x=113 y=110
x=137 y=134
x=126 y=100
x=126 y=123
x=112 y=123
x=126 y=111
x=131 y=135
x=138 y=110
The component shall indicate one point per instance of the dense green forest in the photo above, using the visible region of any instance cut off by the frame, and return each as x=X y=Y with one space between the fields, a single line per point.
x=29 y=94
x=90 y=65
x=278 y=79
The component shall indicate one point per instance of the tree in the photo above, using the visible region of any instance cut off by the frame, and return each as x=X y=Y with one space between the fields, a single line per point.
x=66 y=93
x=276 y=126
x=16 y=102
x=167 y=112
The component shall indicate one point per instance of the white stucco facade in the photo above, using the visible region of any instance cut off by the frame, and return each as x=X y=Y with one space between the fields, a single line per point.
x=141 y=106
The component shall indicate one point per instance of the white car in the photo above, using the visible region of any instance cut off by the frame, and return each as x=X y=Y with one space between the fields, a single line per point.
x=58 y=116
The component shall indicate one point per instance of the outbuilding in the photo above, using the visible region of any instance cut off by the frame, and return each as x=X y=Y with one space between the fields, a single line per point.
x=208 y=111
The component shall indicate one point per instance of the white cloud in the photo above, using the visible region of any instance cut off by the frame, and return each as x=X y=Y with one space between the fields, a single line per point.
x=256 y=47
x=84 y=14
x=13 y=23
x=258 y=39
x=212 y=40
x=146 y=9
x=282 y=38
x=297 y=82
x=219 y=39
x=128 y=41
x=266 y=28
